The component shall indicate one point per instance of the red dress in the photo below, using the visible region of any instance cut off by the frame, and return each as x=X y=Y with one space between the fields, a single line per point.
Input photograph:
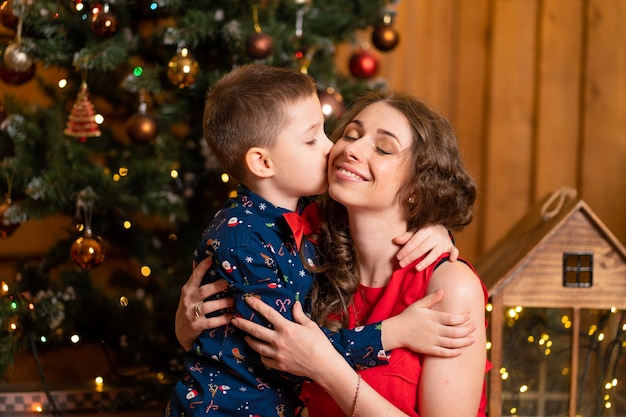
x=398 y=380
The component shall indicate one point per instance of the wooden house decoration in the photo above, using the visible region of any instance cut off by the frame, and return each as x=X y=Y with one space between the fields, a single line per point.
x=557 y=322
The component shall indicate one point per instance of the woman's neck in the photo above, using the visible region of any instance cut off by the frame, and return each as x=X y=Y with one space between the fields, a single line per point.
x=373 y=238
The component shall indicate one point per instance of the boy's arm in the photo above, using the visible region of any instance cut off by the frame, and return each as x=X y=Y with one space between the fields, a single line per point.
x=418 y=328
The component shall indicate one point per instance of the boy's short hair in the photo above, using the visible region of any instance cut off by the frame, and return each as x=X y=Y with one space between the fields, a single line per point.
x=247 y=107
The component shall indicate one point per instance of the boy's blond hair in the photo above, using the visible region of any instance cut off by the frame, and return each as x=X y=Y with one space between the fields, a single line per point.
x=248 y=107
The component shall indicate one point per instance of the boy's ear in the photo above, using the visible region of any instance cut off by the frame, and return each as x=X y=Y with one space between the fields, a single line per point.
x=259 y=162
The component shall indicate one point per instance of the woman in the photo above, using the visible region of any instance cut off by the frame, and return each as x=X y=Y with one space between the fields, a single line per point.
x=395 y=166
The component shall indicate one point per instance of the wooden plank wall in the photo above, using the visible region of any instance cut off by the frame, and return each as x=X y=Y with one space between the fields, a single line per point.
x=536 y=90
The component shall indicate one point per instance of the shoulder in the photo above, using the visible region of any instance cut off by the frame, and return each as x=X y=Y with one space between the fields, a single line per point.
x=460 y=283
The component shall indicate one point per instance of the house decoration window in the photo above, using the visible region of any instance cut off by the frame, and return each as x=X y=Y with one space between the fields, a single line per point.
x=578 y=269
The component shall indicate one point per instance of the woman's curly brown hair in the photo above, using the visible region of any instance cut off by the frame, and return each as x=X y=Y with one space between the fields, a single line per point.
x=440 y=189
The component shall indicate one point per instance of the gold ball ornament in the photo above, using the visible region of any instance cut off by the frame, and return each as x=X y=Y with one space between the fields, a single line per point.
x=87 y=251
x=141 y=128
x=6 y=228
x=259 y=45
x=385 y=37
x=182 y=69
x=15 y=59
x=16 y=77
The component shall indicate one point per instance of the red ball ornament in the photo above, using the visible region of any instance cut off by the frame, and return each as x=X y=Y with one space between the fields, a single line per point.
x=332 y=103
x=104 y=23
x=385 y=37
x=87 y=251
x=141 y=128
x=259 y=45
x=363 y=64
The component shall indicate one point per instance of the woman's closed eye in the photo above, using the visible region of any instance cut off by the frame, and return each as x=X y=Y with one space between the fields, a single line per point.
x=380 y=150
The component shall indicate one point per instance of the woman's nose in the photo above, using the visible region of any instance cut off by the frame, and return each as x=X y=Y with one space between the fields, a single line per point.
x=354 y=150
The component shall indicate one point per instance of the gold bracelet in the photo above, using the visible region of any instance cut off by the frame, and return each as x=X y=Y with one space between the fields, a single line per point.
x=356 y=395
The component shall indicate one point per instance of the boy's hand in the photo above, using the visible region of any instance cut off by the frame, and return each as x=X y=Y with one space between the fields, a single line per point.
x=431 y=240
x=421 y=329
x=191 y=313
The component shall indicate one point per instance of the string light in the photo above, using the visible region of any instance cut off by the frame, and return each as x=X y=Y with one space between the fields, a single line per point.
x=146 y=271
x=592 y=329
x=99 y=381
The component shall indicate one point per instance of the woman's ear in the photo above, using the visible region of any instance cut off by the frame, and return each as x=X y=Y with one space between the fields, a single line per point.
x=259 y=162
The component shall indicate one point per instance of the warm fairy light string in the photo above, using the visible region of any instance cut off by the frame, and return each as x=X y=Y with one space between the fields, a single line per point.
x=545 y=342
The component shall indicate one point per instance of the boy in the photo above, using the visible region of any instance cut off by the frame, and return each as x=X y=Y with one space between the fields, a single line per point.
x=266 y=127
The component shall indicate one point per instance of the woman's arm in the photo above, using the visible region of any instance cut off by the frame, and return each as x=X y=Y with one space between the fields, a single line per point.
x=301 y=348
x=460 y=377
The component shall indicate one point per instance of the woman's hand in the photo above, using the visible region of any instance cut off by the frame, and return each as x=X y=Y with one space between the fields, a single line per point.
x=297 y=347
x=301 y=348
x=431 y=240
x=191 y=313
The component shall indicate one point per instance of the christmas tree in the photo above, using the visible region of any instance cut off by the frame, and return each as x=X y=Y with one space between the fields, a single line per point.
x=120 y=151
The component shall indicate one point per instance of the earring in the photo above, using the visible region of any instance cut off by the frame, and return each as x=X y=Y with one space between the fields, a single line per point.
x=411 y=201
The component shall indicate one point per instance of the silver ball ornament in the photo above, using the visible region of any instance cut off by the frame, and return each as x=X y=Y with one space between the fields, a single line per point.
x=15 y=59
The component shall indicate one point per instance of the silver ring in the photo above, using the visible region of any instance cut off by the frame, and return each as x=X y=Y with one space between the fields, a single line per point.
x=197 y=310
